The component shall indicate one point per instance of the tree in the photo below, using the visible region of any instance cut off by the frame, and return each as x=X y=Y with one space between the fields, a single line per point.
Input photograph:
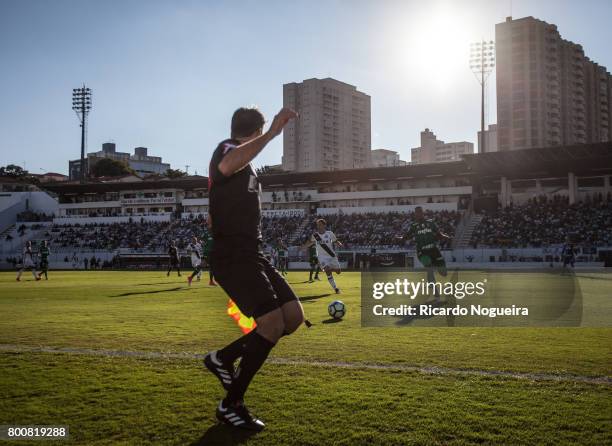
x=175 y=173
x=108 y=167
x=13 y=170
x=268 y=170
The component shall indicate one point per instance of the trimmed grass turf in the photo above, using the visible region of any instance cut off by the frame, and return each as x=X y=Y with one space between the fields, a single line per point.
x=109 y=401
x=125 y=401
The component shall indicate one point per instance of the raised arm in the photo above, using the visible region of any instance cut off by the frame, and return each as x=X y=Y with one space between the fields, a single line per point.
x=241 y=156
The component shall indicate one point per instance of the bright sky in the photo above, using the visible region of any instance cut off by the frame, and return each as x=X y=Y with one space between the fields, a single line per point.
x=168 y=74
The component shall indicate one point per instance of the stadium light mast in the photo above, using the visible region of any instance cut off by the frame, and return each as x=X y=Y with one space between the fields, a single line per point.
x=81 y=104
x=482 y=61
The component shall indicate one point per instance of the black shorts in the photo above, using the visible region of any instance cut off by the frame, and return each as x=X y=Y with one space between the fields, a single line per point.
x=174 y=262
x=432 y=257
x=250 y=280
x=314 y=261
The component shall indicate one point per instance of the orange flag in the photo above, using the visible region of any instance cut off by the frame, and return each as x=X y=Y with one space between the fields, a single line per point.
x=246 y=324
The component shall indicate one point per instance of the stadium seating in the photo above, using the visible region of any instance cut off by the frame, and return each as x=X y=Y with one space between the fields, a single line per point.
x=381 y=229
x=354 y=230
x=542 y=222
x=151 y=236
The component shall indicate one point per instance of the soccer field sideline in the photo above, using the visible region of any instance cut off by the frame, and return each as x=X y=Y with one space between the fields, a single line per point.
x=431 y=370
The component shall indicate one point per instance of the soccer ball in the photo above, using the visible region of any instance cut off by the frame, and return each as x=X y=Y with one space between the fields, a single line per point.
x=336 y=309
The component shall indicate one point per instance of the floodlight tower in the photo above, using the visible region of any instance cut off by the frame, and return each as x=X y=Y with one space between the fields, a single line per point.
x=482 y=61
x=81 y=104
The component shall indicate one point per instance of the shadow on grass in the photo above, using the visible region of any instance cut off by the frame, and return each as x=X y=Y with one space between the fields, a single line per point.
x=314 y=297
x=331 y=320
x=136 y=293
x=303 y=282
x=222 y=434
x=167 y=282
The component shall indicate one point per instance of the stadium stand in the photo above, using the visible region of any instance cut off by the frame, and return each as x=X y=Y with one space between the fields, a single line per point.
x=380 y=230
x=355 y=230
x=542 y=222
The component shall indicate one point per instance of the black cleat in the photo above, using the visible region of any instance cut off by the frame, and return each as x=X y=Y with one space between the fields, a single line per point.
x=223 y=372
x=337 y=290
x=240 y=417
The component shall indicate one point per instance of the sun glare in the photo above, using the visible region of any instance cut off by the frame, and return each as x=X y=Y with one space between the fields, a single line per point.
x=436 y=48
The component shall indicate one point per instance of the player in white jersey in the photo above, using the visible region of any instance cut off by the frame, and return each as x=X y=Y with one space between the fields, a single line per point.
x=27 y=261
x=195 y=251
x=324 y=241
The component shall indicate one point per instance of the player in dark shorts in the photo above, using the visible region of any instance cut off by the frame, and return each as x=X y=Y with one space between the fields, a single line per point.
x=568 y=254
x=314 y=263
x=173 y=260
x=239 y=265
x=207 y=244
x=426 y=236
x=43 y=253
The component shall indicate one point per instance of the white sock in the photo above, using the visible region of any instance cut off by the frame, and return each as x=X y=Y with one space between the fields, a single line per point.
x=34 y=274
x=332 y=282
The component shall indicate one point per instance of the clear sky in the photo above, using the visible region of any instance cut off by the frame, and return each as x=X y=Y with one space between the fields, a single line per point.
x=168 y=74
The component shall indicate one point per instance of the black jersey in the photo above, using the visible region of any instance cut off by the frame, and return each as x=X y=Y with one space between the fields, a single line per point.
x=234 y=206
x=568 y=250
x=173 y=253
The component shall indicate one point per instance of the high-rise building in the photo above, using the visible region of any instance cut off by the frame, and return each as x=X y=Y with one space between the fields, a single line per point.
x=433 y=150
x=333 y=131
x=490 y=139
x=385 y=158
x=548 y=92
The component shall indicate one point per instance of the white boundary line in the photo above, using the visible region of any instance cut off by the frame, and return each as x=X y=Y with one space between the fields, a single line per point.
x=431 y=370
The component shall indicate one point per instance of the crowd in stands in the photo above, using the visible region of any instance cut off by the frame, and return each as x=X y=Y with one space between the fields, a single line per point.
x=354 y=230
x=107 y=236
x=382 y=229
x=275 y=228
x=546 y=221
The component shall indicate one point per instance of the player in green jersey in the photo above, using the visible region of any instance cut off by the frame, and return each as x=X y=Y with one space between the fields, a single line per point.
x=207 y=246
x=314 y=263
x=43 y=253
x=283 y=256
x=426 y=236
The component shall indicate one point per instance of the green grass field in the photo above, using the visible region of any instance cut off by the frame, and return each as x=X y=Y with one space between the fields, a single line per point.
x=335 y=383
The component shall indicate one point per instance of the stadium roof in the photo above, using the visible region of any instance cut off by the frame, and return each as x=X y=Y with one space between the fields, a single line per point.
x=188 y=183
x=546 y=162
x=408 y=172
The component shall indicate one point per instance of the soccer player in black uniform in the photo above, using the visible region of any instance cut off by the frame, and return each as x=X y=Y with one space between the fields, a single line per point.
x=174 y=260
x=568 y=254
x=239 y=265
